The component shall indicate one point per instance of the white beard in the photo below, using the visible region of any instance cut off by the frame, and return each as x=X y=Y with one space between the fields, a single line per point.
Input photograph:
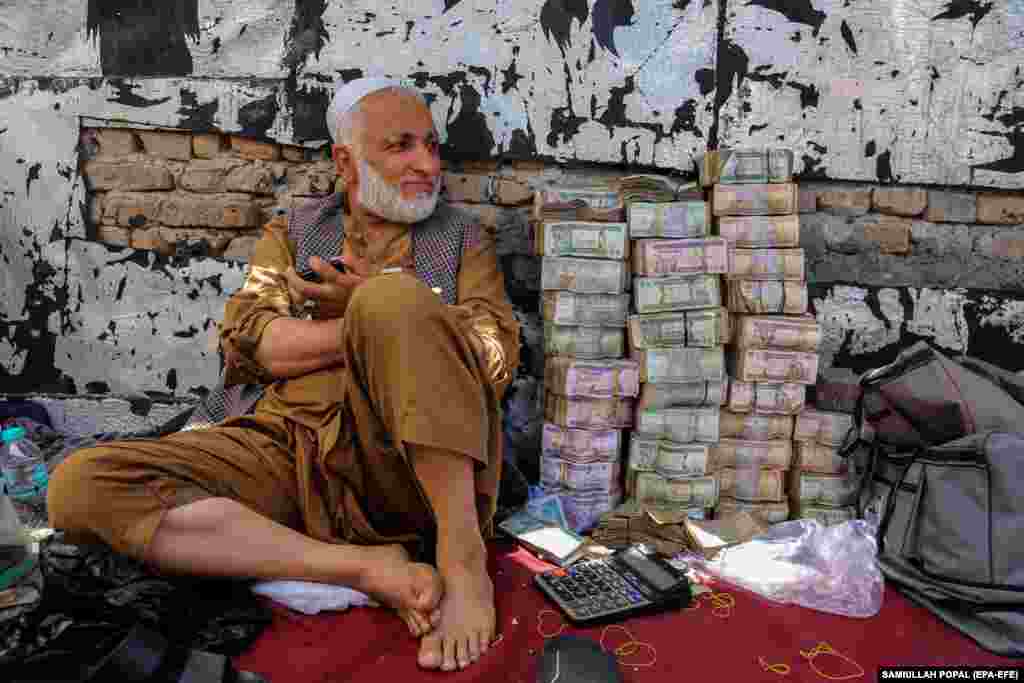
x=384 y=200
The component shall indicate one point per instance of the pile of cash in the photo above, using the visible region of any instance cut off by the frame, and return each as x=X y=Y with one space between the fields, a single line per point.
x=590 y=389
x=677 y=335
x=822 y=484
x=773 y=347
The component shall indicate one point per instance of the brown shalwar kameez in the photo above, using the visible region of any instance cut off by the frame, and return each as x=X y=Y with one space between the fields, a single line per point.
x=325 y=453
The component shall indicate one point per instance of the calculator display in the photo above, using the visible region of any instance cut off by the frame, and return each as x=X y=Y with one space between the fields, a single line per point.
x=649 y=571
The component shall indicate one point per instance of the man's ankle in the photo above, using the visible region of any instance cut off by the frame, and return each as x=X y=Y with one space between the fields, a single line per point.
x=465 y=548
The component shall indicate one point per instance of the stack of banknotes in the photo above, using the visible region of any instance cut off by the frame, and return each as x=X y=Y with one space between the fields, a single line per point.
x=773 y=344
x=676 y=333
x=823 y=485
x=590 y=388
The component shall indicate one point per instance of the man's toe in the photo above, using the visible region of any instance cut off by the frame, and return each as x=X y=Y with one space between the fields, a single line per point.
x=431 y=655
x=448 y=662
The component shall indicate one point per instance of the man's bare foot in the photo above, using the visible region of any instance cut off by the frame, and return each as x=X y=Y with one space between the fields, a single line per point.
x=467 y=619
x=411 y=588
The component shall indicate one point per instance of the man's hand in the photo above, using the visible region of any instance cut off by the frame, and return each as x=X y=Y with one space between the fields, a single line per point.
x=332 y=293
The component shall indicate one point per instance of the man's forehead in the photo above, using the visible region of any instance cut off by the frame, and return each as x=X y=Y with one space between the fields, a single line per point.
x=397 y=115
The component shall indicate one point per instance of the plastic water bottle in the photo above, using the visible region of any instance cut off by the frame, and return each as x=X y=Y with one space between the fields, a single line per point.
x=24 y=467
x=15 y=549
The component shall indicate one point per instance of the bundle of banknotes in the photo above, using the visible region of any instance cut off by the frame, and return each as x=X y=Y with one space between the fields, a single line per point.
x=659 y=526
x=567 y=203
x=823 y=484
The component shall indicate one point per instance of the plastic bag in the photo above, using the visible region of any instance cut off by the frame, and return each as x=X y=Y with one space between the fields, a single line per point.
x=312 y=598
x=830 y=569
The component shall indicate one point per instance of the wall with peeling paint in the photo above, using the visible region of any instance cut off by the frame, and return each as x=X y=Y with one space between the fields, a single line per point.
x=906 y=91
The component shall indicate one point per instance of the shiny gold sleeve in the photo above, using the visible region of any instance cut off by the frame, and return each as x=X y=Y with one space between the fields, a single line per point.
x=264 y=297
x=485 y=310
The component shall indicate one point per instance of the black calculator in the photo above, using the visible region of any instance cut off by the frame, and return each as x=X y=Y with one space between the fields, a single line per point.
x=630 y=581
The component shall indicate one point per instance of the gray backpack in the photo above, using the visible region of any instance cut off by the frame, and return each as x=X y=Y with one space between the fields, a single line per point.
x=942 y=466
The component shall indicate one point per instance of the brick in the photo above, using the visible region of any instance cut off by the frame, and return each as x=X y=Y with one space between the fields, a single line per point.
x=240 y=248
x=112 y=234
x=899 y=201
x=1002 y=209
x=316 y=178
x=254 y=149
x=845 y=202
x=151 y=239
x=293 y=153
x=467 y=187
x=941 y=239
x=215 y=211
x=166 y=144
x=951 y=207
x=807 y=200
x=511 y=193
x=208 y=176
x=207 y=145
x=127 y=176
x=132 y=209
x=891 y=233
x=1000 y=244
x=114 y=142
x=96 y=207
x=253 y=178
x=480 y=166
x=217 y=240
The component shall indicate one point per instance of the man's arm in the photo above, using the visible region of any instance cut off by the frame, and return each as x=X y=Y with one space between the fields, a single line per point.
x=262 y=337
x=485 y=310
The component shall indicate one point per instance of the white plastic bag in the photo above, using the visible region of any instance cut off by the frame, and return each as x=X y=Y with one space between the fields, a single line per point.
x=312 y=598
x=831 y=569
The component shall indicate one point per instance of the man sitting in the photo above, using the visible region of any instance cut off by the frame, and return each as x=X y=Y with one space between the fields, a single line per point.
x=377 y=436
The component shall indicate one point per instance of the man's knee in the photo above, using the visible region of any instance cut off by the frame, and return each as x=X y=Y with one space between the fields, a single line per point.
x=71 y=496
x=392 y=301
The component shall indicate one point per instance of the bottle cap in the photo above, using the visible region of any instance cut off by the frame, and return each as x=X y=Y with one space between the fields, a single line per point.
x=12 y=434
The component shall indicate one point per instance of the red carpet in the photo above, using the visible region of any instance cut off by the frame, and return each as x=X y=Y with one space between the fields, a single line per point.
x=370 y=644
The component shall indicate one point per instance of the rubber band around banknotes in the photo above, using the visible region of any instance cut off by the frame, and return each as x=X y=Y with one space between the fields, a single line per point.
x=629 y=648
x=826 y=649
x=540 y=624
x=780 y=669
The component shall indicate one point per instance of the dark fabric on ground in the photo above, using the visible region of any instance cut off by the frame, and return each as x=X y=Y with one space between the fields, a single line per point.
x=370 y=644
x=92 y=596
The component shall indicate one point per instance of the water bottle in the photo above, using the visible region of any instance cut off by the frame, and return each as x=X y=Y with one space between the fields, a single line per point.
x=15 y=546
x=24 y=467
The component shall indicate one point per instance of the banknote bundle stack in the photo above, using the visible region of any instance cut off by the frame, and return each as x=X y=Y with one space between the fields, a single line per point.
x=676 y=333
x=568 y=203
x=590 y=388
x=773 y=348
x=822 y=484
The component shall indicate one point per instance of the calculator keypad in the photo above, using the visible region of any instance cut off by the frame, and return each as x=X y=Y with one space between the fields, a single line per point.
x=589 y=590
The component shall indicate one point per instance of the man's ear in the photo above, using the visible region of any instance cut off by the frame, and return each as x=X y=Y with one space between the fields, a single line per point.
x=344 y=162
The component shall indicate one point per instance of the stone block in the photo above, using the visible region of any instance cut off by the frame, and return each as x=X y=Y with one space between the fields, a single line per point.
x=951 y=207
x=112 y=234
x=115 y=142
x=1002 y=209
x=208 y=176
x=941 y=239
x=899 y=201
x=807 y=200
x=255 y=150
x=96 y=207
x=480 y=166
x=240 y=248
x=845 y=202
x=512 y=193
x=218 y=240
x=166 y=144
x=127 y=176
x=999 y=244
x=317 y=178
x=254 y=178
x=293 y=153
x=215 y=211
x=890 y=233
x=151 y=239
x=132 y=209
x=467 y=187
x=207 y=145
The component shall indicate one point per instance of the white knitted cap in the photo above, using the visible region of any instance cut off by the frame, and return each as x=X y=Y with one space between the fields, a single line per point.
x=348 y=94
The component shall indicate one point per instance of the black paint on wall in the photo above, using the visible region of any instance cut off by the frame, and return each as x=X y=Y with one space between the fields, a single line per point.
x=510 y=77
x=556 y=19
x=1013 y=163
x=609 y=15
x=33 y=175
x=140 y=38
x=686 y=119
x=870 y=149
x=883 y=167
x=844 y=29
x=469 y=136
x=614 y=115
x=308 y=107
x=196 y=116
x=128 y=98
x=258 y=116
x=957 y=9
x=448 y=4
x=733 y=64
x=307 y=34
x=797 y=11
x=350 y=74
x=705 y=80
